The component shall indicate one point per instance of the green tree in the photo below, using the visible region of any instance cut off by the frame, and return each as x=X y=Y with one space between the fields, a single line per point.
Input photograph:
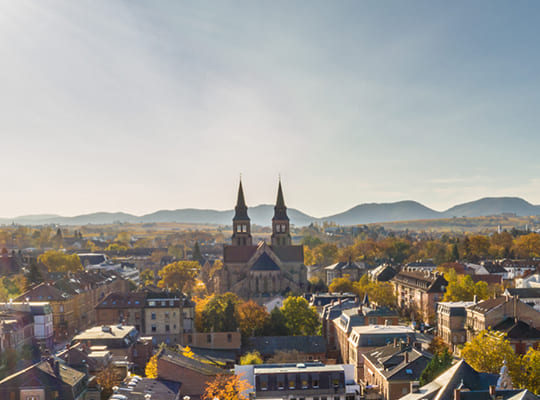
x=219 y=314
x=277 y=325
x=301 y=319
x=196 y=254
x=341 y=285
x=57 y=261
x=179 y=275
x=439 y=363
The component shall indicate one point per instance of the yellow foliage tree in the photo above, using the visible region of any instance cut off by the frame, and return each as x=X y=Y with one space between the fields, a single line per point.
x=226 y=387
x=179 y=275
x=58 y=261
x=151 y=368
x=186 y=352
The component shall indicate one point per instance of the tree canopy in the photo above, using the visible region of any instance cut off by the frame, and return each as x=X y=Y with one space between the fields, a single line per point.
x=179 y=275
x=58 y=261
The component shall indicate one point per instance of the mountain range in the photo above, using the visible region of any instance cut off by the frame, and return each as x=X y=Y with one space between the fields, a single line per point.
x=262 y=214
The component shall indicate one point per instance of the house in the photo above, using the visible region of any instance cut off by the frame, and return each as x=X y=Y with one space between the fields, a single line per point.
x=319 y=300
x=350 y=269
x=49 y=380
x=383 y=273
x=127 y=308
x=193 y=374
x=391 y=369
x=489 y=313
x=521 y=335
x=122 y=341
x=451 y=318
x=16 y=330
x=528 y=295
x=302 y=381
x=419 y=291
x=42 y=317
x=307 y=348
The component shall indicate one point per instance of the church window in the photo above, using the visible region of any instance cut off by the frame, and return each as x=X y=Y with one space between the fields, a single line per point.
x=277 y=227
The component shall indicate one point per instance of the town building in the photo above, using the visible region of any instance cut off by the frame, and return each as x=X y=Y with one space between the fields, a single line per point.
x=49 y=380
x=390 y=370
x=451 y=318
x=263 y=270
x=41 y=312
x=351 y=270
x=419 y=291
x=300 y=381
x=304 y=348
x=138 y=388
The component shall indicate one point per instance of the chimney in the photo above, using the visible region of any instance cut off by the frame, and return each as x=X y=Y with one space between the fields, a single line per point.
x=415 y=386
x=56 y=368
x=395 y=342
x=406 y=356
x=457 y=394
x=475 y=299
x=492 y=391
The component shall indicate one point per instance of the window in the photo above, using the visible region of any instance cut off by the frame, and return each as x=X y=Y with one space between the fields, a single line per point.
x=167 y=315
x=292 y=381
x=336 y=397
x=281 y=382
x=189 y=338
x=335 y=380
x=315 y=381
x=61 y=308
x=304 y=380
x=229 y=338
x=167 y=328
x=264 y=382
x=208 y=338
x=404 y=390
x=154 y=328
x=171 y=303
x=152 y=303
x=163 y=303
x=153 y=315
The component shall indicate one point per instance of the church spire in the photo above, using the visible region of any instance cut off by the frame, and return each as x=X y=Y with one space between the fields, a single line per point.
x=241 y=208
x=280 y=210
x=241 y=223
x=280 y=222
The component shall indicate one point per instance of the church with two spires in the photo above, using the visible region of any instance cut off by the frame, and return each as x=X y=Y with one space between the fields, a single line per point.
x=258 y=271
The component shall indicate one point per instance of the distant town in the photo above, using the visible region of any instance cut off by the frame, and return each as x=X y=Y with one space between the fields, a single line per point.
x=323 y=311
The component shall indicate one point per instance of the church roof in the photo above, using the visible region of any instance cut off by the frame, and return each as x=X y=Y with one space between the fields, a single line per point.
x=293 y=253
x=238 y=254
x=265 y=263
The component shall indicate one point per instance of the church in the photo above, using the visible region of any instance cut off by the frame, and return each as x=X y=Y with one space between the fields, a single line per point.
x=258 y=271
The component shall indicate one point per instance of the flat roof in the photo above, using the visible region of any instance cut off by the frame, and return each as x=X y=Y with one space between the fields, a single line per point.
x=296 y=369
x=112 y=332
x=382 y=329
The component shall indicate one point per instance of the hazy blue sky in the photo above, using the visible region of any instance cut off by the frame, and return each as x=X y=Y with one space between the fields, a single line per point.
x=137 y=106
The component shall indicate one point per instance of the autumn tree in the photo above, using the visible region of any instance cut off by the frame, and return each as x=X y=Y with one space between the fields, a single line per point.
x=179 y=275
x=107 y=379
x=151 y=367
x=57 y=261
x=277 y=324
x=301 y=319
x=219 y=313
x=226 y=387
x=251 y=318
x=437 y=346
x=250 y=358
x=525 y=371
x=487 y=351
x=147 y=277
x=527 y=246
x=341 y=285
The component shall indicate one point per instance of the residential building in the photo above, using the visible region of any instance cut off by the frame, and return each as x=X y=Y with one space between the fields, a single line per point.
x=350 y=269
x=451 y=318
x=193 y=374
x=528 y=295
x=300 y=381
x=137 y=388
x=42 y=316
x=365 y=338
x=16 y=330
x=390 y=370
x=163 y=317
x=126 y=308
x=419 y=291
x=49 y=380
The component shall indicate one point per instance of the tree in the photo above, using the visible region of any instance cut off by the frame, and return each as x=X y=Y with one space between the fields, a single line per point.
x=437 y=365
x=179 y=275
x=187 y=352
x=147 y=277
x=226 y=387
x=277 y=325
x=196 y=254
x=487 y=351
x=253 y=357
x=57 y=261
x=437 y=346
x=527 y=246
x=151 y=367
x=301 y=319
x=107 y=379
x=219 y=313
x=341 y=285
x=251 y=318
x=33 y=275
x=525 y=372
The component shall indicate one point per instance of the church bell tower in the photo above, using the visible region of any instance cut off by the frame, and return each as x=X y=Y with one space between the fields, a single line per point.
x=241 y=222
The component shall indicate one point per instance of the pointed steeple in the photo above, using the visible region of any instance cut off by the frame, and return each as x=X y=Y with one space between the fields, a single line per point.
x=241 y=208
x=280 y=210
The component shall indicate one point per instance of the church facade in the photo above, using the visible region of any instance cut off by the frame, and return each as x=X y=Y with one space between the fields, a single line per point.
x=263 y=270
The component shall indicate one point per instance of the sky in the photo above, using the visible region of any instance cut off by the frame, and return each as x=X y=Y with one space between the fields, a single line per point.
x=137 y=106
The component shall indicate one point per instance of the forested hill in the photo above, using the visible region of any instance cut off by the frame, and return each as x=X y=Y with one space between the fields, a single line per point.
x=262 y=214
